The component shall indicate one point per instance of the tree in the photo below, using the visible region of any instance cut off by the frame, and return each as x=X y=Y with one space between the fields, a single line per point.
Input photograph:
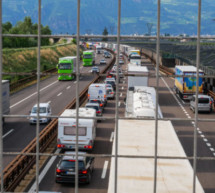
x=105 y=33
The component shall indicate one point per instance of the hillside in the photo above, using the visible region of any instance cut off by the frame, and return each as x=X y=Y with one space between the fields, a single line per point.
x=25 y=59
x=177 y=17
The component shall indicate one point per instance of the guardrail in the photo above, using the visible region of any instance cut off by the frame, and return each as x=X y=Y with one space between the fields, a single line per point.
x=23 y=82
x=18 y=168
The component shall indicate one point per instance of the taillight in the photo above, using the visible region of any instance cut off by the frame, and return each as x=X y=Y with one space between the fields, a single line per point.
x=104 y=96
x=98 y=111
x=88 y=96
x=58 y=171
x=112 y=93
x=101 y=105
x=84 y=172
x=88 y=146
x=60 y=145
x=185 y=96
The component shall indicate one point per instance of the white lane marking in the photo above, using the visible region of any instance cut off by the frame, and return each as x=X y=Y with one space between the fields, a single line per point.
x=81 y=67
x=212 y=149
x=104 y=170
x=197 y=129
x=122 y=87
x=59 y=94
x=49 y=102
x=68 y=87
x=121 y=94
x=119 y=104
x=205 y=139
x=188 y=117
x=44 y=171
x=123 y=82
x=32 y=95
x=200 y=132
x=193 y=123
x=111 y=136
x=202 y=136
x=6 y=134
x=75 y=82
x=208 y=144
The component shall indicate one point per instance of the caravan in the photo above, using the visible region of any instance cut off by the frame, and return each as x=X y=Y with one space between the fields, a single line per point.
x=66 y=138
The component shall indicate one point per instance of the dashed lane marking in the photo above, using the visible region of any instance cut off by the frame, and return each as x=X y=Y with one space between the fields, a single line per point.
x=59 y=94
x=68 y=87
x=104 y=170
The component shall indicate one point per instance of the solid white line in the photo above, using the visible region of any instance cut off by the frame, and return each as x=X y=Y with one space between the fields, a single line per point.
x=59 y=94
x=6 y=134
x=119 y=104
x=208 y=144
x=104 y=170
x=205 y=139
x=44 y=171
x=121 y=94
x=212 y=149
x=68 y=87
x=32 y=94
x=111 y=136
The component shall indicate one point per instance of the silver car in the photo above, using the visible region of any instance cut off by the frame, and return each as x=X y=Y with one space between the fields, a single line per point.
x=205 y=103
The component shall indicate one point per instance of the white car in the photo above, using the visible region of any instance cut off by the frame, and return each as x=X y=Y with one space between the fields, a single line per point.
x=44 y=110
x=102 y=61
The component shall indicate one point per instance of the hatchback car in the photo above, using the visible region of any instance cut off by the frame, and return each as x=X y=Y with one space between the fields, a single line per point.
x=65 y=169
x=102 y=61
x=204 y=103
x=44 y=110
x=95 y=106
x=95 y=69
x=110 y=93
x=99 y=101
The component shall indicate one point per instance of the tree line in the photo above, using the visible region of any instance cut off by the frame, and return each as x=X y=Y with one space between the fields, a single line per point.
x=23 y=27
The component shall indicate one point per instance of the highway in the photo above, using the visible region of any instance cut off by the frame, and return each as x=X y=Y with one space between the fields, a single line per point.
x=57 y=93
x=17 y=131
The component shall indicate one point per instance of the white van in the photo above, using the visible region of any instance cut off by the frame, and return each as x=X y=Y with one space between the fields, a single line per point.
x=66 y=138
x=44 y=110
x=204 y=103
x=97 y=91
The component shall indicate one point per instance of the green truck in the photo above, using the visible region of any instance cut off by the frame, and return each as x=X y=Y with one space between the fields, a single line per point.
x=66 y=66
x=88 y=58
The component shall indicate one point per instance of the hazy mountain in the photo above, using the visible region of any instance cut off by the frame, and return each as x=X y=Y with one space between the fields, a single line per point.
x=61 y=15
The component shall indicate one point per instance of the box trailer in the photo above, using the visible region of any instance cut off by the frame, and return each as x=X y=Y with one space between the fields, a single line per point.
x=135 y=173
x=186 y=86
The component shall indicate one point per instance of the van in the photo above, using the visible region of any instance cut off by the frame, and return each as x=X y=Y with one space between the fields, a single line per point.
x=44 y=110
x=97 y=91
x=66 y=137
x=204 y=103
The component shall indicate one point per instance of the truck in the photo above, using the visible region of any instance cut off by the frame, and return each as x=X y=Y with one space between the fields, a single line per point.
x=135 y=168
x=141 y=103
x=98 y=49
x=5 y=97
x=88 y=58
x=135 y=59
x=66 y=66
x=185 y=87
x=66 y=137
x=98 y=91
x=141 y=75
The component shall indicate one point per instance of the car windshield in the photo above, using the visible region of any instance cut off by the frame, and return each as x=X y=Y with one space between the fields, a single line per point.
x=42 y=110
x=64 y=66
x=87 y=56
x=203 y=100
x=71 y=164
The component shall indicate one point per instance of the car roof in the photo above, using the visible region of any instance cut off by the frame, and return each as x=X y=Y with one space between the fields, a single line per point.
x=92 y=104
x=42 y=105
x=70 y=155
x=202 y=96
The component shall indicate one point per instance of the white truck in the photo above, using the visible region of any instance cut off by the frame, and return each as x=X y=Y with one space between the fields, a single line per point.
x=98 y=91
x=136 y=175
x=141 y=75
x=66 y=138
x=141 y=103
x=5 y=97
x=98 y=49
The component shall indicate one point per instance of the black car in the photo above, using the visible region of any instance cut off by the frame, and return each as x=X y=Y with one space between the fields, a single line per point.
x=65 y=170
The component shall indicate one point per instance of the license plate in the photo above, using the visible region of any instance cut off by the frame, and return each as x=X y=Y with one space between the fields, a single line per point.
x=70 y=173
